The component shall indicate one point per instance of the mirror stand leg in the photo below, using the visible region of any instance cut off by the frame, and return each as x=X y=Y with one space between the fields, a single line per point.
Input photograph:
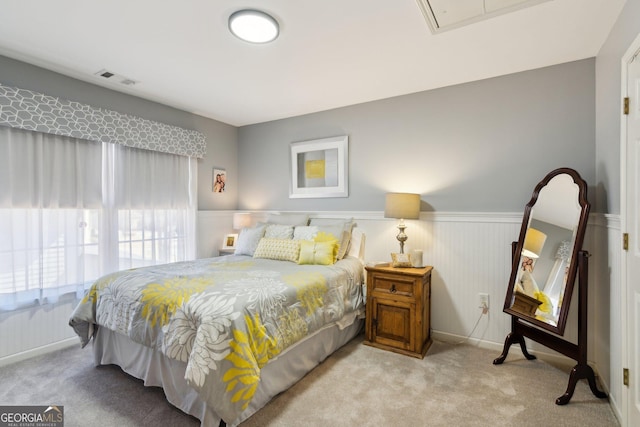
x=505 y=350
x=523 y=347
x=513 y=338
x=578 y=372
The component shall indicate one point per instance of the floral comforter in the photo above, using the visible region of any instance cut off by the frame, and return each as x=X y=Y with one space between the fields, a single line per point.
x=224 y=317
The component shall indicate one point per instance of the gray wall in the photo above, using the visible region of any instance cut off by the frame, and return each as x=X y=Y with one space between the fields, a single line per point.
x=608 y=106
x=475 y=147
x=221 y=138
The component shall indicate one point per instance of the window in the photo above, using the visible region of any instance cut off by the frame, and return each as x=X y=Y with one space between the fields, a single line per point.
x=147 y=237
x=72 y=210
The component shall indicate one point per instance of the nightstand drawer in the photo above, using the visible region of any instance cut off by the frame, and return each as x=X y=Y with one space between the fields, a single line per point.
x=393 y=285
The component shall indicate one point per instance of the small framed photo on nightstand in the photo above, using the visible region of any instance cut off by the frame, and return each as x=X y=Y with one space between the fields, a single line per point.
x=230 y=241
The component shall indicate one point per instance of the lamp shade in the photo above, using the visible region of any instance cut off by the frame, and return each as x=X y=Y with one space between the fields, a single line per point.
x=533 y=243
x=241 y=220
x=402 y=206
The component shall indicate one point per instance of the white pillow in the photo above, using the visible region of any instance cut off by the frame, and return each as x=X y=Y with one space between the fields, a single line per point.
x=248 y=240
x=277 y=231
x=356 y=245
x=305 y=232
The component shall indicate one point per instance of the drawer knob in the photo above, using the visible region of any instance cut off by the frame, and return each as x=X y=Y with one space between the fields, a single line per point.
x=393 y=288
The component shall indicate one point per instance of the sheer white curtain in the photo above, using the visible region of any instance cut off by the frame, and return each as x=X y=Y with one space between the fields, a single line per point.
x=50 y=199
x=72 y=210
x=153 y=195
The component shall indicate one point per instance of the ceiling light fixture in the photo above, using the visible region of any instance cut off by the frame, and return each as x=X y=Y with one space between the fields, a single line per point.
x=253 y=26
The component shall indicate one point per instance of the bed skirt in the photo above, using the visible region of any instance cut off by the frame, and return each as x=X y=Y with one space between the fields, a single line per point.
x=155 y=369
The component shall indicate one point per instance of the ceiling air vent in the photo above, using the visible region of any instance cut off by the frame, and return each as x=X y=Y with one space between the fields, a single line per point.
x=443 y=15
x=116 y=78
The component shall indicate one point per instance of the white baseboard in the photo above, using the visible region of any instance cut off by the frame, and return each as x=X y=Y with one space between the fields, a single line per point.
x=39 y=351
x=458 y=339
x=551 y=358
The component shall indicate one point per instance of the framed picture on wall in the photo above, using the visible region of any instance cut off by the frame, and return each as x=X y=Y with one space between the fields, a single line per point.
x=230 y=241
x=319 y=168
x=219 y=180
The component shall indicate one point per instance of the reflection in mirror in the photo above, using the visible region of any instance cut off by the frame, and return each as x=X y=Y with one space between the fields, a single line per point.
x=541 y=280
x=544 y=262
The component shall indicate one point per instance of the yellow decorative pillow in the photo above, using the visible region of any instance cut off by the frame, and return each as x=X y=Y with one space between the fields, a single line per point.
x=340 y=229
x=546 y=306
x=278 y=249
x=322 y=253
x=329 y=238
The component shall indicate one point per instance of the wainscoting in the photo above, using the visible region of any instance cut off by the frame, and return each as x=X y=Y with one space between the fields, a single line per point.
x=470 y=253
x=32 y=331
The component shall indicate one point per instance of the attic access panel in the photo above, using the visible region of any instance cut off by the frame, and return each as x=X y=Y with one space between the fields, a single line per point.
x=443 y=15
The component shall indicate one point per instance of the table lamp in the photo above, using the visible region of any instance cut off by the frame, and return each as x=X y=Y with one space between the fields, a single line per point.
x=533 y=243
x=402 y=206
x=241 y=220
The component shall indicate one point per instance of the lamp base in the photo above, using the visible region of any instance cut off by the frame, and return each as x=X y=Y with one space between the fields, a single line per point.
x=402 y=237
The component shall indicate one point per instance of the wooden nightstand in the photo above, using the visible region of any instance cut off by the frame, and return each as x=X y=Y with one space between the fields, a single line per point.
x=399 y=309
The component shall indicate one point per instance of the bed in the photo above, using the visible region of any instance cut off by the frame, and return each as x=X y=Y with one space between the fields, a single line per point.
x=222 y=336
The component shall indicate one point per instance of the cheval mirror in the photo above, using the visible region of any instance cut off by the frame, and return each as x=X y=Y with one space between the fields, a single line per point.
x=547 y=259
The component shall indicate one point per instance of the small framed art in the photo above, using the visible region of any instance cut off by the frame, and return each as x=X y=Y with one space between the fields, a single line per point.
x=219 y=180
x=230 y=241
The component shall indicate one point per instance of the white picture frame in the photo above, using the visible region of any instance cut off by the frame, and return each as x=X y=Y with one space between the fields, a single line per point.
x=230 y=241
x=319 y=168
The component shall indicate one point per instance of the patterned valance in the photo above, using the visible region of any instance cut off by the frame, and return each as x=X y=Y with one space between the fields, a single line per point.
x=25 y=109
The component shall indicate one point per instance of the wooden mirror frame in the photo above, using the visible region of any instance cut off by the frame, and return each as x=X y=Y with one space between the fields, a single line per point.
x=573 y=265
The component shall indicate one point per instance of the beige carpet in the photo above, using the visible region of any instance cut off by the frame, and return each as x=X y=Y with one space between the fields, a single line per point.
x=357 y=386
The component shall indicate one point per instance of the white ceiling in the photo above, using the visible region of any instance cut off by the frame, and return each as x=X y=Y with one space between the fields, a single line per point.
x=330 y=53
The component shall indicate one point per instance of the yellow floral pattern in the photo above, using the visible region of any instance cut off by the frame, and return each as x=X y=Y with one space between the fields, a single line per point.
x=293 y=327
x=249 y=353
x=310 y=293
x=160 y=300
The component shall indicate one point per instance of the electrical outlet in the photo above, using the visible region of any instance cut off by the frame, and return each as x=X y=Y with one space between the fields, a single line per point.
x=483 y=300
